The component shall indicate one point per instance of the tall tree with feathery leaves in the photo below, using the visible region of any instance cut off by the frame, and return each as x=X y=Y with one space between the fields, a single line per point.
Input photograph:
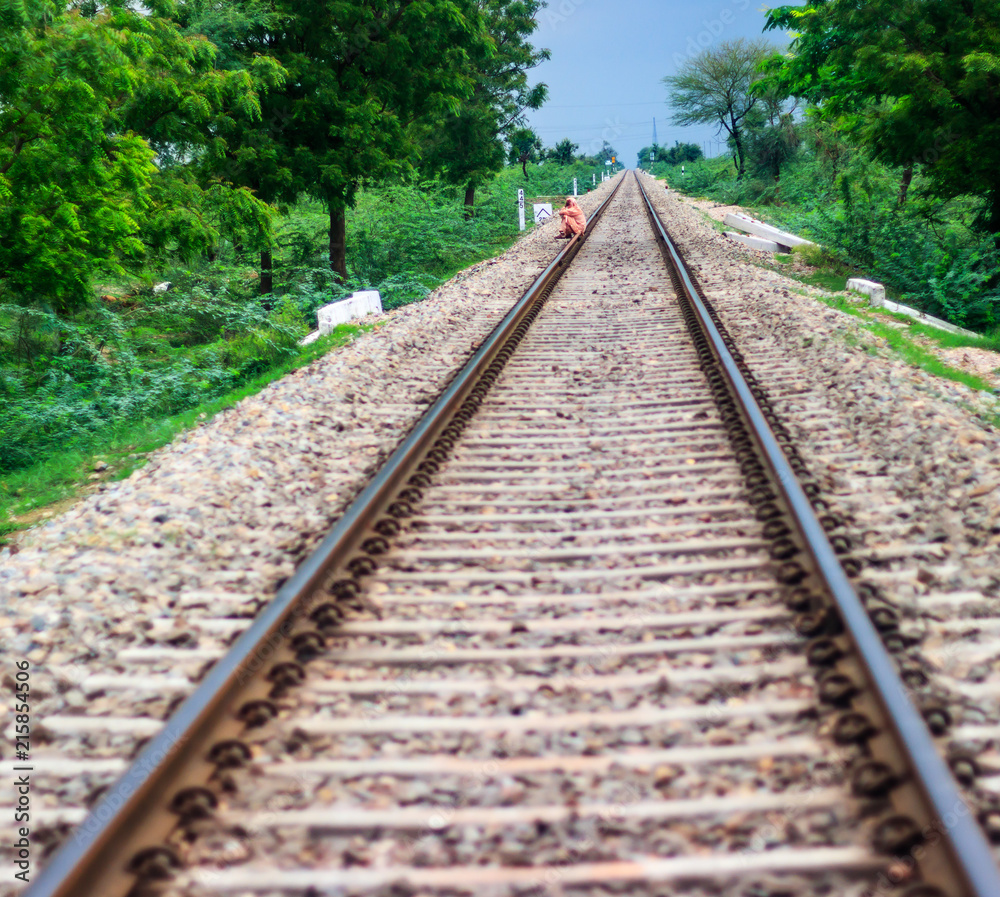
x=87 y=93
x=716 y=87
x=359 y=74
x=469 y=146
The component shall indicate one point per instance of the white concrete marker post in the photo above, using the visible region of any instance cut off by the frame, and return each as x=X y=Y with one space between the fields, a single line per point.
x=357 y=305
x=520 y=208
x=574 y=187
x=759 y=229
x=876 y=296
x=754 y=242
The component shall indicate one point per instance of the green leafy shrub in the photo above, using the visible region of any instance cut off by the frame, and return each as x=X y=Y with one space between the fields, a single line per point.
x=927 y=252
x=67 y=378
x=83 y=375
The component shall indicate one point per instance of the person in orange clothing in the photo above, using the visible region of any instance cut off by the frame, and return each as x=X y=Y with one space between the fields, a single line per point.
x=573 y=219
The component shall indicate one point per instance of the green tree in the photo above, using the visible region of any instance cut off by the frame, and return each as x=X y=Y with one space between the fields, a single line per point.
x=79 y=95
x=678 y=153
x=524 y=146
x=682 y=152
x=468 y=147
x=650 y=154
x=607 y=152
x=182 y=117
x=772 y=135
x=360 y=73
x=716 y=88
x=916 y=82
x=564 y=152
x=70 y=188
x=237 y=152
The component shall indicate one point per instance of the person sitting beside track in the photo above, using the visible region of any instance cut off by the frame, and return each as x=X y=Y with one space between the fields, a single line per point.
x=573 y=219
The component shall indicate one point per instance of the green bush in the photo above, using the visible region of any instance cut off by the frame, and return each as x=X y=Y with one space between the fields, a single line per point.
x=79 y=376
x=926 y=251
x=67 y=379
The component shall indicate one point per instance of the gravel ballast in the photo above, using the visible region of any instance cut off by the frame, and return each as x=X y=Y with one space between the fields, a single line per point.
x=230 y=508
x=910 y=460
x=224 y=514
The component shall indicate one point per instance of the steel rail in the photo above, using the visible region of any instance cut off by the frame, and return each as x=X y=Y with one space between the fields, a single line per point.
x=946 y=812
x=131 y=817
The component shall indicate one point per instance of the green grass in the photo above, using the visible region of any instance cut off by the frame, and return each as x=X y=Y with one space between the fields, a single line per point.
x=822 y=280
x=989 y=341
x=64 y=476
x=929 y=253
x=831 y=275
x=920 y=357
x=899 y=342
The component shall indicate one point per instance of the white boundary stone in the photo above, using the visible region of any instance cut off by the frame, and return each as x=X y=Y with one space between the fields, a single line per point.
x=874 y=291
x=876 y=294
x=357 y=305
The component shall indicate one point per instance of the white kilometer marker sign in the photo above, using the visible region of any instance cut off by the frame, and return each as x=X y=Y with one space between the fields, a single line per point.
x=520 y=208
x=574 y=187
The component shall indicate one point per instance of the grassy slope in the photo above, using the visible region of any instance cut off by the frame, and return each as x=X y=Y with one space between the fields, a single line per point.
x=913 y=343
x=36 y=493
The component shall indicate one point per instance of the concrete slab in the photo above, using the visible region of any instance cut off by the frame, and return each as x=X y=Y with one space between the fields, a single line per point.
x=759 y=229
x=755 y=242
x=876 y=293
x=357 y=305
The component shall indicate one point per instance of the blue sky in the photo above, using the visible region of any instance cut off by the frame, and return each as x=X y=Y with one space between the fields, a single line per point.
x=608 y=60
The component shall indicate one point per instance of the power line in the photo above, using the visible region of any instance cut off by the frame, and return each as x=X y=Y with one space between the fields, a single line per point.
x=612 y=125
x=604 y=105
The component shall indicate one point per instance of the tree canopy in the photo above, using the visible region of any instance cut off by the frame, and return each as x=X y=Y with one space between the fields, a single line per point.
x=917 y=82
x=128 y=129
x=524 y=146
x=678 y=153
x=563 y=152
x=715 y=87
x=86 y=97
x=359 y=75
x=469 y=146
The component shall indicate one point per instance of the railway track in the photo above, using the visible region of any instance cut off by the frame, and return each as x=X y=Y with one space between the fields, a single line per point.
x=583 y=633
